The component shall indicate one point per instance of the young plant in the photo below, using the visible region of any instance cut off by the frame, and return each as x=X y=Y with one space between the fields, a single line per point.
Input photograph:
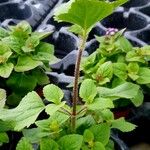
x=24 y=59
x=80 y=13
x=116 y=66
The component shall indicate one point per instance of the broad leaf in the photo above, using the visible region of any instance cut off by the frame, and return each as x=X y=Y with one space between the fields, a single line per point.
x=98 y=146
x=25 y=113
x=70 y=142
x=24 y=144
x=53 y=93
x=123 y=125
x=6 y=69
x=26 y=63
x=3 y=33
x=85 y=8
x=48 y=144
x=88 y=90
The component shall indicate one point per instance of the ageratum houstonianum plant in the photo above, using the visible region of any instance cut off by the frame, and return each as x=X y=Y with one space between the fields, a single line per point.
x=84 y=126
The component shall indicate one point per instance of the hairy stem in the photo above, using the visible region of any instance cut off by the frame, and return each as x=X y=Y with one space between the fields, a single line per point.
x=76 y=80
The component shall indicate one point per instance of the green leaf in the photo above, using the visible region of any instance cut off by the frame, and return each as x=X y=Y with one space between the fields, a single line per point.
x=144 y=76
x=41 y=77
x=30 y=44
x=104 y=73
x=48 y=144
x=101 y=132
x=125 y=44
x=21 y=82
x=5 y=126
x=85 y=8
x=35 y=135
x=120 y=70
x=98 y=146
x=44 y=52
x=41 y=35
x=6 y=69
x=21 y=30
x=138 y=99
x=4 y=137
x=123 y=125
x=3 y=33
x=13 y=43
x=126 y=90
x=133 y=56
x=26 y=63
x=70 y=142
x=100 y=103
x=88 y=136
x=24 y=144
x=51 y=109
x=85 y=122
x=59 y=118
x=107 y=115
x=53 y=93
x=88 y=90
x=76 y=29
x=25 y=113
x=2 y=98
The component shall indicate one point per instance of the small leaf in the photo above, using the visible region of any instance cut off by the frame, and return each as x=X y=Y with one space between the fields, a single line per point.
x=125 y=44
x=48 y=144
x=88 y=136
x=3 y=33
x=101 y=132
x=71 y=142
x=41 y=35
x=120 y=70
x=144 y=76
x=122 y=125
x=88 y=90
x=4 y=137
x=138 y=99
x=24 y=144
x=6 y=69
x=51 y=109
x=53 y=93
x=26 y=63
x=2 y=98
x=98 y=146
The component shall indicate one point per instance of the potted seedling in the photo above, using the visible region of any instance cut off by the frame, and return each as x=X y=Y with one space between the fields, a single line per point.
x=24 y=58
x=79 y=126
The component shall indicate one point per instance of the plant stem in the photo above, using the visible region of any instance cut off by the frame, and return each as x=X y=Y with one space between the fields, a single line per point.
x=76 y=80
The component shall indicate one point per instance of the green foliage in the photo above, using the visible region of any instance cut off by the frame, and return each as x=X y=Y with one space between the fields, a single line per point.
x=70 y=142
x=24 y=144
x=118 y=69
x=22 y=55
x=2 y=98
x=25 y=113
